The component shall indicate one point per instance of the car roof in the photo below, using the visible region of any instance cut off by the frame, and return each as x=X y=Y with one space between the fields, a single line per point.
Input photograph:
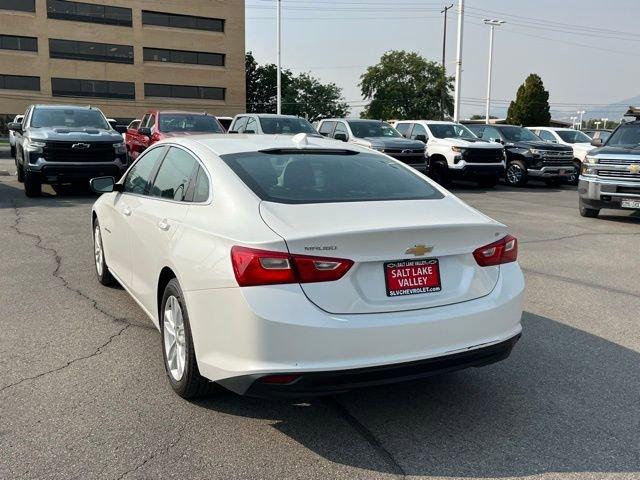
x=267 y=115
x=553 y=129
x=224 y=144
x=433 y=122
x=179 y=111
x=66 y=107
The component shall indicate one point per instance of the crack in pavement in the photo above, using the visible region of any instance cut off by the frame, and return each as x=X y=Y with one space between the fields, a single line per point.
x=581 y=282
x=367 y=435
x=151 y=457
x=56 y=274
x=576 y=235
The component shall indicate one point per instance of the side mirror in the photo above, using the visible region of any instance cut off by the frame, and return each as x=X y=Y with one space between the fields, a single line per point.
x=596 y=142
x=422 y=138
x=104 y=185
x=341 y=136
x=496 y=140
x=15 y=127
x=146 y=131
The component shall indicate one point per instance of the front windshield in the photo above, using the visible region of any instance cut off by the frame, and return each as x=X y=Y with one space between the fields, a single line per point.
x=328 y=176
x=573 y=136
x=185 y=122
x=519 y=134
x=450 y=130
x=68 y=118
x=364 y=129
x=286 y=126
x=625 y=136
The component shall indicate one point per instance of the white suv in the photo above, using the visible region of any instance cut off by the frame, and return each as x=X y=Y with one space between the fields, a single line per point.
x=455 y=152
x=579 y=141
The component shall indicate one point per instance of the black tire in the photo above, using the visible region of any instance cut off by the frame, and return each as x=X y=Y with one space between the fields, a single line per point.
x=13 y=151
x=588 y=212
x=439 y=171
x=19 y=172
x=574 y=178
x=516 y=174
x=553 y=182
x=32 y=186
x=102 y=269
x=190 y=384
x=488 y=182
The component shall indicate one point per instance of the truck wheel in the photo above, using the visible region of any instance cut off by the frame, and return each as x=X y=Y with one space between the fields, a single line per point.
x=440 y=173
x=573 y=179
x=588 y=212
x=516 y=174
x=488 y=182
x=20 y=172
x=13 y=151
x=32 y=187
x=102 y=270
x=177 y=345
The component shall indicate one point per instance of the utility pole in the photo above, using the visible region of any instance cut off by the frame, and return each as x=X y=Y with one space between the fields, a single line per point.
x=581 y=113
x=492 y=24
x=444 y=60
x=279 y=55
x=458 y=82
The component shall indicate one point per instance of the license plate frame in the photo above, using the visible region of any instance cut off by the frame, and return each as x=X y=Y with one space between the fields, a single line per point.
x=632 y=203
x=431 y=281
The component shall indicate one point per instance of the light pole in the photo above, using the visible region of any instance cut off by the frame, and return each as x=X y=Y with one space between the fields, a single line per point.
x=444 y=58
x=458 y=82
x=279 y=55
x=573 y=122
x=605 y=120
x=581 y=113
x=597 y=124
x=492 y=24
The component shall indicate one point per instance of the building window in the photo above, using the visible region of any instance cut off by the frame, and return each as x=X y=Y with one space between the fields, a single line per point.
x=183 y=91
x=183 y=56
x=19 y=5
x=95 y=52
x=19 y=82
x=14 y=42
x=89 y=12
x=73 y=87
x=173 y=20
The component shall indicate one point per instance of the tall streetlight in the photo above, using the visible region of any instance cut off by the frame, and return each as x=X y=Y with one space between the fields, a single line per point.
x=573 y=122
x=597 y=124
x=605 y=120
x=493 y=23
x=279 y=55
x=581 y=113
x=458 y=81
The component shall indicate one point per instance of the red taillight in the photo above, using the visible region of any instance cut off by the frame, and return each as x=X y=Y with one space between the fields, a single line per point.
x=504 y=250
x=254 y=267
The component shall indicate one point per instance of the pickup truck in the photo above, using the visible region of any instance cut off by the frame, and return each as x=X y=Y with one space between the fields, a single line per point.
x=610 y=176
x=158 y=125
x=456 y=153
x=528 y=156
x=58 y=144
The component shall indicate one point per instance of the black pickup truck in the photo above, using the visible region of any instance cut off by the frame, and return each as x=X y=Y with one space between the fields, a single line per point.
x=65 y=144
x=528 y=156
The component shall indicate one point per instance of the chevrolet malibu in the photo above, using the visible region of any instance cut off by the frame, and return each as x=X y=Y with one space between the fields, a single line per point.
x=295 y=266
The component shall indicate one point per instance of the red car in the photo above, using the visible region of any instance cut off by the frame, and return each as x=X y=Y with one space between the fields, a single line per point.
x=158 y=125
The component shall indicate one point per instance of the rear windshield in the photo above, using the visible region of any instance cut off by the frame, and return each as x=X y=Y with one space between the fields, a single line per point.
x=450 y=130
x=181 y=122
x=573 y=136
x=286 y=126
x=519 y=134
x=323 y=177
x=368 y=128
x=68 y=118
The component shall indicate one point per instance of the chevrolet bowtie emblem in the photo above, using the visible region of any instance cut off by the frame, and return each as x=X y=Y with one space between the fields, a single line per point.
x=419 y=250
x=634 y=168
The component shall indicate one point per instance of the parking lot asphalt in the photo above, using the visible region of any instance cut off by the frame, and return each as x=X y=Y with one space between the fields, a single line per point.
x=83 y=392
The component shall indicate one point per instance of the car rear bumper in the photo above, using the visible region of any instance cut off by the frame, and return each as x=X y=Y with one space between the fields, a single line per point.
x=243 y=334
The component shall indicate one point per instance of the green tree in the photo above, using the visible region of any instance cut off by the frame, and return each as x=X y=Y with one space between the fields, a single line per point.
x=302 y=95
x=405 y=85
x=531 y=106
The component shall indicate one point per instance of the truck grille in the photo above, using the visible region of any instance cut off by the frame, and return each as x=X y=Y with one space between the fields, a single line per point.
x=618 y=161
x=65 y=152
x=484 y=155
x=557 y=163
x=556 y=155
x=619 y=174
x=403 y=151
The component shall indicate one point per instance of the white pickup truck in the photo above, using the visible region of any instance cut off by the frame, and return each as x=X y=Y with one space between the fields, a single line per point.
x=454 y=152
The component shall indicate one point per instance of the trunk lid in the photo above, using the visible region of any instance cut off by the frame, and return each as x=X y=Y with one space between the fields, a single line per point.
x=372 y=236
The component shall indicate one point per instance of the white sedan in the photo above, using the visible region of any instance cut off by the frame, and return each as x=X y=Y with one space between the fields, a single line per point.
x=294 y=266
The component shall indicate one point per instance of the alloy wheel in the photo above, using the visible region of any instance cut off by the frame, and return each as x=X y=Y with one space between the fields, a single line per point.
x=97 y=249
x=514 y=174
x=174 y=338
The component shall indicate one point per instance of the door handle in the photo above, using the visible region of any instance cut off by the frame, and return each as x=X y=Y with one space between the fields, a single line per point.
x=163 y=225
x=126 y=211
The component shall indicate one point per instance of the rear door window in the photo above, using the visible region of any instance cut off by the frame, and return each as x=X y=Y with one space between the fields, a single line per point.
x=404 y=129
x=326 y=129
x=328 y=176
x=141 y=174
x=174 y=175
x=239 y=124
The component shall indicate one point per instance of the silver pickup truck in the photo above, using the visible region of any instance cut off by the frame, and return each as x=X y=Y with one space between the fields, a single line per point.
x=610 y=176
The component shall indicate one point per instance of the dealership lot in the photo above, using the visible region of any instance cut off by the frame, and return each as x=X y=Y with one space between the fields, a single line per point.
x=84 y=395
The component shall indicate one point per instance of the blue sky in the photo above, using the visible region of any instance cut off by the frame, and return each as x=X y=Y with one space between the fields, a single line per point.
x=586 y=51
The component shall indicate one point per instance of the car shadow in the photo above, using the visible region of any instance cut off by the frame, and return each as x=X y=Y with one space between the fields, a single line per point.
x=531 y=187
x=565 y=401
x=12 y=195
